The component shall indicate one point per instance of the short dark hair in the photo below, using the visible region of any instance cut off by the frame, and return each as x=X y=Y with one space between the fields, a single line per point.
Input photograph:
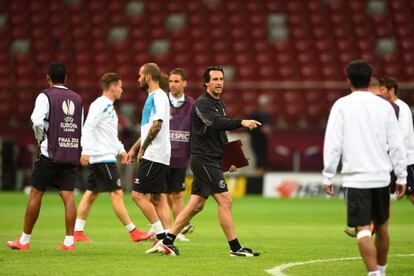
x=153 y=70
x=389 y=82
x=359 y=73
x=179 y=71
x=206 y=75
x=108 y=79
x=57 y=72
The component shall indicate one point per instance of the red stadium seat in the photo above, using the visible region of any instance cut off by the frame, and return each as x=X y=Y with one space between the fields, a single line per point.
x=247 y=72
x=323 y=37
x=6 y=110
x=276 y=6
x=267 y=72
x=310 y=71
x=23 y=111
x=285 y=58
x=394 y=69
x=315 y=114
x=331 y=72
x=331 y=97
x=235 y=110
x=183 y=57
x=288 y=72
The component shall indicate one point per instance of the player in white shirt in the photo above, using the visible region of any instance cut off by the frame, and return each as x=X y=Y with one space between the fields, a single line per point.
x=389 y=90
x=363 y=133
x=100 y=147
x=154 y=151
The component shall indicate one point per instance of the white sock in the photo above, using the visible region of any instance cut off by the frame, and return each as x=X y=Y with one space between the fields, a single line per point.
x=374 y=273
x=158 y=227
x=68 y=240
x=80 y=224
x=24 y=238
x=130 y=227
x=382 y=269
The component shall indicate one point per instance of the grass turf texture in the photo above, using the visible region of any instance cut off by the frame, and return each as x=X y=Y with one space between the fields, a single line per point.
x=284 y=230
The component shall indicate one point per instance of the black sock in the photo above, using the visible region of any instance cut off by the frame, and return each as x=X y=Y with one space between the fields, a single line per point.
x=161 y=236
x=169 y=239
x=234 y=245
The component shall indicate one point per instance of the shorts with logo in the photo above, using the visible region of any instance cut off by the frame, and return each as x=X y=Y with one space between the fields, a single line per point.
x=48 y=173
x=410 y=180
x=151 y=177
x=208 y=178
x=367 y=205
x=103 y=177
x=175 y=180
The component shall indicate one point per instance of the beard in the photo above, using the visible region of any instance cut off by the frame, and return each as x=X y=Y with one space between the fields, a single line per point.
x=144 y=86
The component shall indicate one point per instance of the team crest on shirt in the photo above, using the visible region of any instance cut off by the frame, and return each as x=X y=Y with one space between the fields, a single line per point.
x=118 y=182
x=136 y=181
x=222 y=184
x=68 y=107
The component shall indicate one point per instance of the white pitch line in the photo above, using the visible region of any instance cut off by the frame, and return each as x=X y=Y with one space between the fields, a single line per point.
x=278 y=270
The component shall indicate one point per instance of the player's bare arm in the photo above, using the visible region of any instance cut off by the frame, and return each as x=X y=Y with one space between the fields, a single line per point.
x=125 y=158
x=328 y=189
x=152 y=133
x=84 y=160
x=132 y=151
x=400 y=191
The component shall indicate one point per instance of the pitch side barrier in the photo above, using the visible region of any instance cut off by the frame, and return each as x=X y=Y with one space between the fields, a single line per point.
x=277 y=185
x=291 y=185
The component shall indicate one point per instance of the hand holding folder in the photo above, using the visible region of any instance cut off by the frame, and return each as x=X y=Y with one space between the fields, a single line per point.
x=233 y=155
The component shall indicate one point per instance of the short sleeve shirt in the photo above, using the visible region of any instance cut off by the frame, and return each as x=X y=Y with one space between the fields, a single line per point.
x=157 y=107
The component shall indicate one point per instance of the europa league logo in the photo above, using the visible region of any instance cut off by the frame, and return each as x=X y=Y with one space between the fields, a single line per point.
x=68 y=107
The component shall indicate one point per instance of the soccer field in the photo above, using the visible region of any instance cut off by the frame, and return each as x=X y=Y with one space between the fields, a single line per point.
x=286 y=231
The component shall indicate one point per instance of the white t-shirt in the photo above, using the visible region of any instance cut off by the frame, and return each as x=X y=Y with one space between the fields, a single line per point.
x=100 y=132
x=364 y=133
x=406 y=124
x=157 y=107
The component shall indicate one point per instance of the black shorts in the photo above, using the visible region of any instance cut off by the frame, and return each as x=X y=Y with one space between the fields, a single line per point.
x=175 y=180
x=103 y=177
x=151 y=178
x=47 y=173
x=410 y=180
x=367 y=205
x=208 y=178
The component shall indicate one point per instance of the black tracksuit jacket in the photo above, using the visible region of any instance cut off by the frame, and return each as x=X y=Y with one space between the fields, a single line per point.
x=209 y=125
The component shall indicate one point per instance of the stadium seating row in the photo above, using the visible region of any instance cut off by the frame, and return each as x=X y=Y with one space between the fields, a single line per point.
x=97 y=36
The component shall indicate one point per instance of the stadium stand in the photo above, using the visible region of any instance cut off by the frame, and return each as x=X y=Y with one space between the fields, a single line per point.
x=257 y=41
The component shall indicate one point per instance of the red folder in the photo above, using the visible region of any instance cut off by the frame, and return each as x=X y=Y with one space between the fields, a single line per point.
x=233 y=155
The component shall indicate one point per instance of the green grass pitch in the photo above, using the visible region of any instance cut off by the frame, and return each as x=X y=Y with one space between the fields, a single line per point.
x=284 y=230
